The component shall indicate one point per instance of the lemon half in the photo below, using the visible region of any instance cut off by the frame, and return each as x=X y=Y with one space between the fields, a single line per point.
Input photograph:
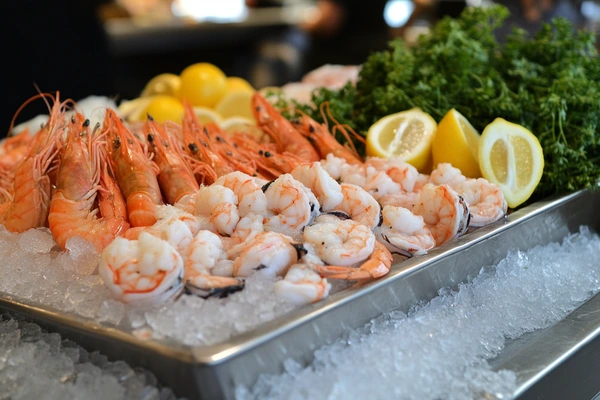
x=236 y=104
x=206 y=115
x=457 y=142
x=407 y=134
x=512 y=157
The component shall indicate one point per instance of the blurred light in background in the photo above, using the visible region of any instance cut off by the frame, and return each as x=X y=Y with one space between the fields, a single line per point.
x=211 y=10
x=397 y=12
x=591 y=10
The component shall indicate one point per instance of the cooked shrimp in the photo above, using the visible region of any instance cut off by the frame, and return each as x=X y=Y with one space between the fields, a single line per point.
x=403 y=232
x=326 y=189
x=444 y=211
x=289 y=205
x=271 y=253
x=325 y=142
x=399 y=170
x=403 y=199
x=486 y=200
x=251 y=199
x=134 y=171
x=360 y=206
x=377 y=265
x=302 y=285
x=146 y=270
x=202 y=255
x=339 y=242
x=281 y=130
x=175 y=176
x=81 y=181
x=220 y=203
x=246 y=229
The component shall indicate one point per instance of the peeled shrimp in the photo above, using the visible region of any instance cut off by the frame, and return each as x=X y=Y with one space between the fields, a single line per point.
x=326 y=189
x=270 y=253
x=403 y=232
x=251 y=199
x=339 y=242
x=444 y=211
x=399 y=170
x=360 y=206
x=289 y=205
x=146 y=270
x=302 y=285
x=220 y=203
x=377 y=265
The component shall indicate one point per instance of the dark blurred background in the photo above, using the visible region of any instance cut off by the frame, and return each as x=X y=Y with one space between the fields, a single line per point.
x=113 y=47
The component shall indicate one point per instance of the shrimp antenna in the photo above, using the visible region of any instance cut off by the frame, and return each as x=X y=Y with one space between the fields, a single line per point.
x=26 y=103
x=341 y=128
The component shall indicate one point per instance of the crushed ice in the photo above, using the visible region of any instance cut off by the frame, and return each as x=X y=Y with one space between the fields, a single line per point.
x=440 y=349
x=35 y=364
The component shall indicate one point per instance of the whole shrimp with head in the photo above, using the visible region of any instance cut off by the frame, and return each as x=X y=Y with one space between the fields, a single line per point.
x=27 y=198
x=134 y=171
x=281 y=130
x=83 y=179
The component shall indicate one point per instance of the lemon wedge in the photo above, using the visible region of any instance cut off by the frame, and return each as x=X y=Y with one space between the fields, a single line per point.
x=512 y=157
x=407 y=134
x=241 y=125
x=236 y=104
x=457 y=142
x=134 y=110
x=206 y=115
x=163 y=84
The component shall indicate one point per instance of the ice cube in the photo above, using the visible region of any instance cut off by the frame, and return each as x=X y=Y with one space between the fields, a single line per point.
x=37 y=241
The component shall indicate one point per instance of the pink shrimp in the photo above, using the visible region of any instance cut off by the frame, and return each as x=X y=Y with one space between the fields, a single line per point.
x=80 y=181
x=281 y=130
x=377 y=265
x=134 y=171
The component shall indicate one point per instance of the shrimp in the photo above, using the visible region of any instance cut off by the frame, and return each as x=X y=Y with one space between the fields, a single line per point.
x=220 y=203
x=339 y=242
x=80 y=180
x=302 y=285
x=326 y=189
x=271 y=253
x=134 y=171
x=377 y=265
x=445 y=213
x=403 y=232
x=325 y=142
x=486 y=200
x=229 y=152
x=360 y=206
x=399 y=170
x=146 y=270
x=175 y=177
x=204 y=254
x=246 y=229
x=281 y=130
x=289 y=205
x=251 y=199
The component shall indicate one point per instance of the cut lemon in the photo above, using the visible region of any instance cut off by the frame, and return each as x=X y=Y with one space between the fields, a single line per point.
x=134 y=110
x=457 y=142
x=236 y=104
x=167 y=84
x=512 y=157
x=407 y=134
x=241 y=125
x=206 y=115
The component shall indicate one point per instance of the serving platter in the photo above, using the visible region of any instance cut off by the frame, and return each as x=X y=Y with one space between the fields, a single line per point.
x=210 y=372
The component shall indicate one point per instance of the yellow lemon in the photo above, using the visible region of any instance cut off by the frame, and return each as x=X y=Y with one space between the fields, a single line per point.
x=407 y=134
x=237 y=84
x=512 y=157
x=134 y=110
x=206 y=115
x=236 y=104
x=167 y=84
x=164 y=108
x=203 y=84
x=457 y=142
x=241 y=125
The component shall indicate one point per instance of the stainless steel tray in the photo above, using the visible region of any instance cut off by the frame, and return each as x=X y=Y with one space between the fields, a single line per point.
x=213 y=371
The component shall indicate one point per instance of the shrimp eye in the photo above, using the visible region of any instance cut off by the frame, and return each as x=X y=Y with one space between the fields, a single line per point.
x=205 y=131
x=204 y=144
x=150 y=117
x=193 y=147
x=150 y=137
x=129 y=141
x=86 y=123
x=300 y=250
x=261 y=152
x=311 y=129
x=117 y=143
x=265 y=187
x=258 y=108
x=268 y=154
x=220 y=139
